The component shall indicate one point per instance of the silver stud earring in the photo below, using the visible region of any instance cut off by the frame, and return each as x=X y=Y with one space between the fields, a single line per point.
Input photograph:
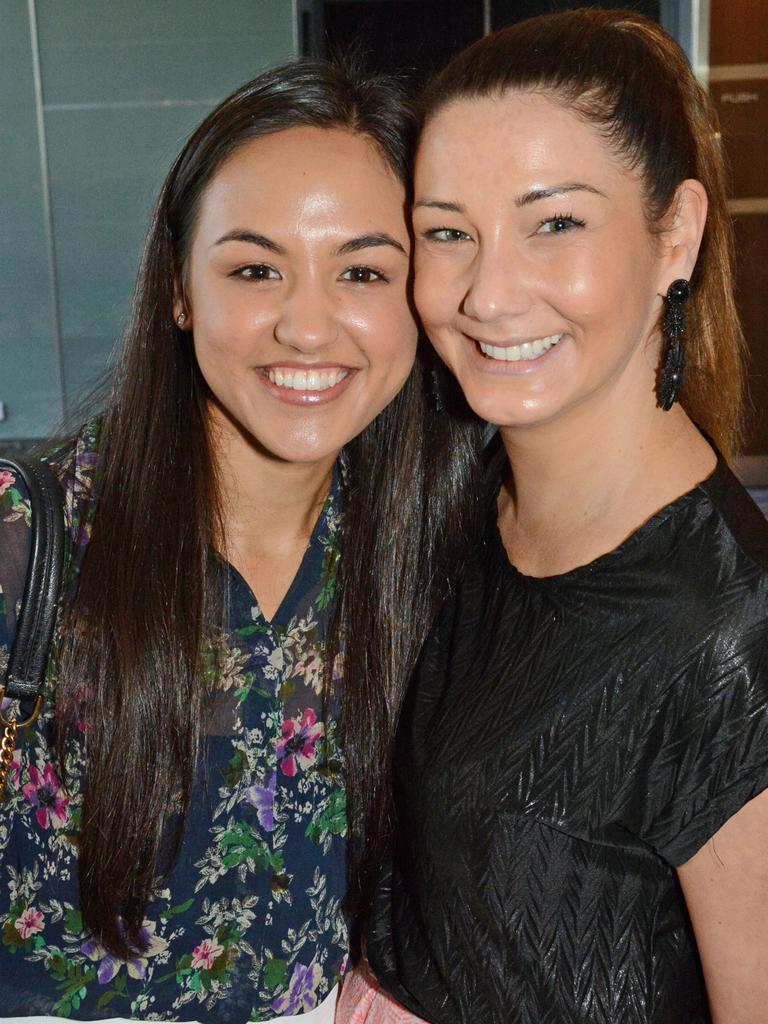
x=181 y=319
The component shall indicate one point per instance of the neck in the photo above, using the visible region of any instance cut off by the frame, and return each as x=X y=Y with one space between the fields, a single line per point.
x=268 y=504
x=585 y=480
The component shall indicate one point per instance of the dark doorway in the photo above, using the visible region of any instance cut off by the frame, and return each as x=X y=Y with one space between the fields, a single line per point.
x=505 y=12
x=415 y=37
x=411 y=36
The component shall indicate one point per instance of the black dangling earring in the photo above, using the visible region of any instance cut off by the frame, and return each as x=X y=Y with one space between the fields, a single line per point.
x=674 y=328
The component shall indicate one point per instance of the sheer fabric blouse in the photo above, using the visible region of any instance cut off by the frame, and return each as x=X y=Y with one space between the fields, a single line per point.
x=249 y=925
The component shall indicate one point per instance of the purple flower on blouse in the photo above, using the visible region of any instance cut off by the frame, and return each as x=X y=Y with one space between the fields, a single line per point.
x=109 y=965
x=263 y=799
x=301 y=994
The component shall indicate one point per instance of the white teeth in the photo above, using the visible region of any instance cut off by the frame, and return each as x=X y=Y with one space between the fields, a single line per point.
x=306 y=380
x=527 y=350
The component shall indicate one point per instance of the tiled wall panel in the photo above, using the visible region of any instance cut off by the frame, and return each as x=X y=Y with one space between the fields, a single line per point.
x=121 y=87
x=29 y=369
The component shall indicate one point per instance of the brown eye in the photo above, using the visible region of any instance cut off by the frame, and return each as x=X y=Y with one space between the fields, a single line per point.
x=257 y=272
x=362 y=275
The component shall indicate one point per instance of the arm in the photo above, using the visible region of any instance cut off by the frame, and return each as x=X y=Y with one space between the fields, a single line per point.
x=725 y=886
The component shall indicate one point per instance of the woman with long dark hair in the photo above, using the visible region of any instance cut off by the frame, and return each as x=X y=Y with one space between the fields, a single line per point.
x=242 y=601
x=582 y=761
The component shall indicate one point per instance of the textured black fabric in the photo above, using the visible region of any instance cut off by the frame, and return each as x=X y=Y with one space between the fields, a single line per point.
x=568 y=741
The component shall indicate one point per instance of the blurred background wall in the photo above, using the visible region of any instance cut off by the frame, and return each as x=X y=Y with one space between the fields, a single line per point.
x=96 y=97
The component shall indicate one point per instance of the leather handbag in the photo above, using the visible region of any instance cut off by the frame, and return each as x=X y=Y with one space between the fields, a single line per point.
x=36 y=620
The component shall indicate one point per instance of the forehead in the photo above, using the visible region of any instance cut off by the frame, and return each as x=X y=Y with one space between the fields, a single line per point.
x=533 y=136
x=302 y=171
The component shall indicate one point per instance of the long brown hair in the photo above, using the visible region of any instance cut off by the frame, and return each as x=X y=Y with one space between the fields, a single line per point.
x=627 y=77
x=146 y=592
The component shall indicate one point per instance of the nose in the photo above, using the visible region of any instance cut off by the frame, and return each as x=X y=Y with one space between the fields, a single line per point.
x=497 y=287
x=307 y=320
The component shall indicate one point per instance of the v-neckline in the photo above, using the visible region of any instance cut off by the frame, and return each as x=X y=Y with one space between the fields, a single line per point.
x=288 y=599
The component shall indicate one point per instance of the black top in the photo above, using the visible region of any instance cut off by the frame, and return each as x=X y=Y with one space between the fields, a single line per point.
x=566 y=743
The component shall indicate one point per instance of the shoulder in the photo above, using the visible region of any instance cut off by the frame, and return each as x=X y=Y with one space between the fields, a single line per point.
x=711 y=706
x=712 y=563
x=739 y=524
x=75 y=462
x=714 y=577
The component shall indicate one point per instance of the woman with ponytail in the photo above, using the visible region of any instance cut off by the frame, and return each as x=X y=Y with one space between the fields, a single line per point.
x=582 y=761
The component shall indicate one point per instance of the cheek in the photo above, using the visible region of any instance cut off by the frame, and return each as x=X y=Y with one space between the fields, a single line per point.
x=386 y=332
x=587 y=285
x=216 y=351
x=433 y=292
x=397 y=347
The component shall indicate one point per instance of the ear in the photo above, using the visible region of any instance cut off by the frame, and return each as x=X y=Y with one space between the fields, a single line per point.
x=682 y=236
x=181 y=305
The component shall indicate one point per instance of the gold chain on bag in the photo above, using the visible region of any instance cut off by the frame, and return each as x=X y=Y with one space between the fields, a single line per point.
x=24 y=674
x=8 y=743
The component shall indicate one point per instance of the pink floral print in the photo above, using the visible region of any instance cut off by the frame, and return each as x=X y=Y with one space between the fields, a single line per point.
x=45 y=795
x=204 y=954
x=30 y=923
x=296 y=747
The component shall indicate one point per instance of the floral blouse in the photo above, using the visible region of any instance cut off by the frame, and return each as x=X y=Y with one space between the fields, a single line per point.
x=249 y=924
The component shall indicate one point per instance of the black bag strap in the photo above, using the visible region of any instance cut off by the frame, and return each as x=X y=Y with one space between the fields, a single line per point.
x=37 y=618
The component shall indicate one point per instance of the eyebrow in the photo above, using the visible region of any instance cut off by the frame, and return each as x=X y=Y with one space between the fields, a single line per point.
x=439 y=204
x=368 y=242
x=353 y=245
x=253 y=238
x=555 y=190
x=523 y=200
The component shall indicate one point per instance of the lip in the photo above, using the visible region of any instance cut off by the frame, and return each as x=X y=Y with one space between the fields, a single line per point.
x=500 y=368
x=288 y=396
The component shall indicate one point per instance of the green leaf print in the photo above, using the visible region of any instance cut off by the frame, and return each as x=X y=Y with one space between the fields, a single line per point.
x=240 y=845
x=180 y=908
x=331 y=818
x=251 y=630
x=11 y=937
x=233 y=772
x=74 y=985
x=116 y=989
x=275 y=973
x=328 y=573
x=241 y=692
x=73 y=921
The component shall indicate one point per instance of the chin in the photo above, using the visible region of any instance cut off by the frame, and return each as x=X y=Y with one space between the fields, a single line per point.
x=302 y=450
x=508 y=411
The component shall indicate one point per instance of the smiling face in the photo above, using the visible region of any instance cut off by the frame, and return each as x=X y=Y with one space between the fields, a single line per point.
x=295 y=291
x=537 y=278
